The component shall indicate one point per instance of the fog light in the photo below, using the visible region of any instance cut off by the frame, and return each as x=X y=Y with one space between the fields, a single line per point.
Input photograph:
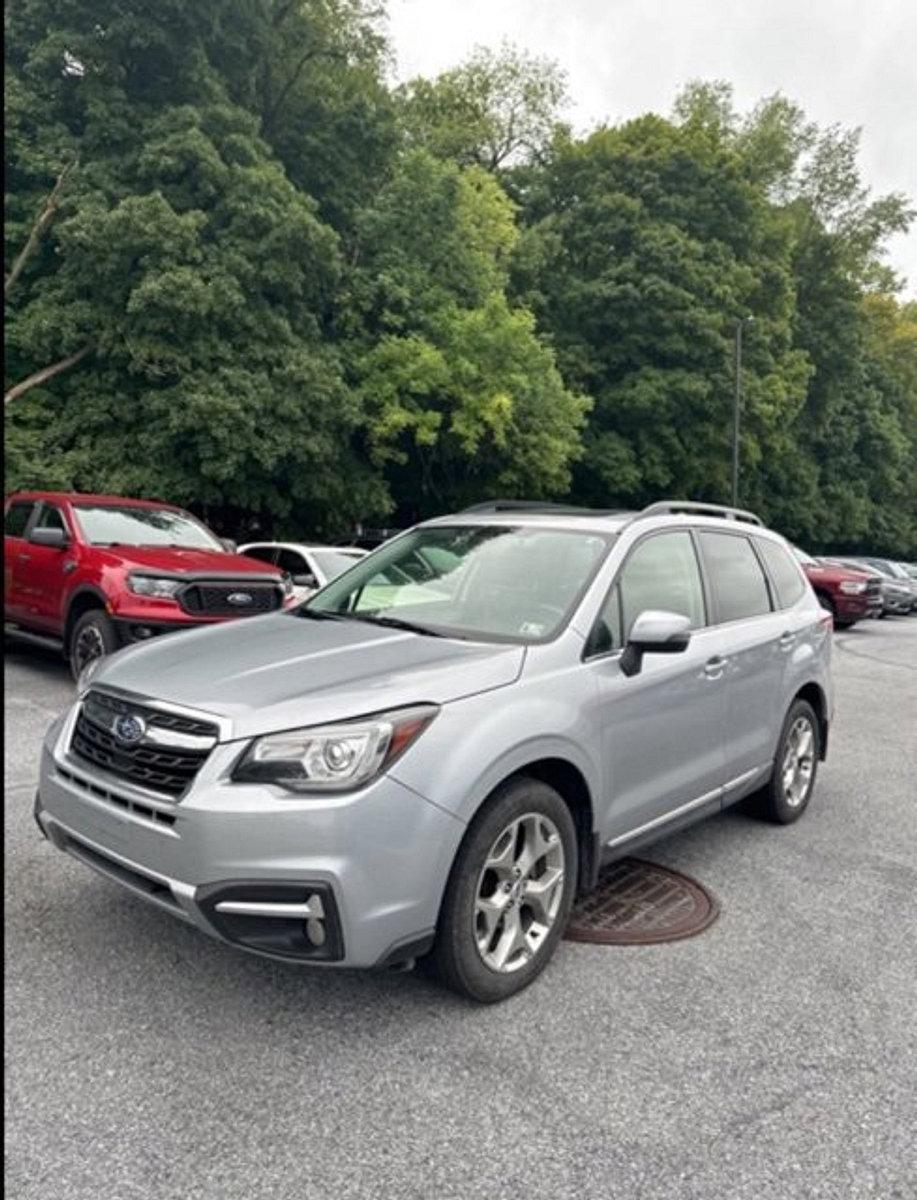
x=142 y=632
x=315 y=931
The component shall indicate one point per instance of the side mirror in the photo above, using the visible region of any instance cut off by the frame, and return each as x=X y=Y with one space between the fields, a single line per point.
x=308 y=581
x=229 y=544
x=43 y=536
x=654 y=632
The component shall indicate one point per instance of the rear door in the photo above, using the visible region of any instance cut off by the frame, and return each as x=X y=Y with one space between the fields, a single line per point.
x=751 y=643
x=16 y=558
x=48 y=568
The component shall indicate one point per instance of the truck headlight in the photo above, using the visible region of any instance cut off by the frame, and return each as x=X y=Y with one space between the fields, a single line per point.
x=333 y=758
x=853 y=587
x=150 y=585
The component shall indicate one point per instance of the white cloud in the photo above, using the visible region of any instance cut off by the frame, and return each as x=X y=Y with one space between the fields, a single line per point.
x=844 y=61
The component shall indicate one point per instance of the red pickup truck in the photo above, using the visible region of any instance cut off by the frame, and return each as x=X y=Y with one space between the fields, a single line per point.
x=88 y=574
x=848 y=595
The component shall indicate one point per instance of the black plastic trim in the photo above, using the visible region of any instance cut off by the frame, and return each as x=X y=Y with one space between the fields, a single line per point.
x=279 y=937
x=406 y=949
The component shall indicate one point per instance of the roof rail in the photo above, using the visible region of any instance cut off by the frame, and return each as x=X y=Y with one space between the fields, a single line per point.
x=536 y=506
x=713 y=510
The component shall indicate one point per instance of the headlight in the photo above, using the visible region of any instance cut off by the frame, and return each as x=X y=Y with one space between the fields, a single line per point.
x=85 y=676
x=333 y=758
x=287 y=584
x=853 y=587
x=148 y=585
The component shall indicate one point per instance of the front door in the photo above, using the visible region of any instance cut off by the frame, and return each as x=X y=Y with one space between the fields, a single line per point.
x=48 y=568
x=662 y=728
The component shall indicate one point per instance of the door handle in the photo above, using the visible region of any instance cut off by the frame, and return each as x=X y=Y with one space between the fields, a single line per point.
x=714 y=667
x=787 y=640
x=24 y=557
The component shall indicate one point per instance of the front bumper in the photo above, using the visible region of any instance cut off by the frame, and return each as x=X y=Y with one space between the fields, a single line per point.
x=352 y=880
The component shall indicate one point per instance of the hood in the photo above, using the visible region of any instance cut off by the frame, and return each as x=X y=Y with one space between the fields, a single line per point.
x=826 y=574
x=176 y=560
x=282 y=671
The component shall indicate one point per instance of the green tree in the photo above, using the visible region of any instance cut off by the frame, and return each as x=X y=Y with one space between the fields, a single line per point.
x=462 y=397
x=184 y=274
x=497 y=109
x=645 y=244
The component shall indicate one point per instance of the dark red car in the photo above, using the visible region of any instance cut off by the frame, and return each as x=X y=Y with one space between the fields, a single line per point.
x=847 y=594
x=89 y=574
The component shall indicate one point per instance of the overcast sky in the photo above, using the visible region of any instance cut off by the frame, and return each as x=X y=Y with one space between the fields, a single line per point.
x=847 y=61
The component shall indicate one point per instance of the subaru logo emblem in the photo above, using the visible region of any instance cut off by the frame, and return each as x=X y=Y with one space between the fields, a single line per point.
x=240 y=598
x=129 y=729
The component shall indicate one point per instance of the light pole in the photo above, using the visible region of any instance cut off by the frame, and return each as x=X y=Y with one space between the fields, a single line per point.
x=740 y=323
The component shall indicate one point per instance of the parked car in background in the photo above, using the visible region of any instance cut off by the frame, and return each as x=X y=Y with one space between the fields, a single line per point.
x=309 y=567
x=88 y=574
x=891 y=570
x=849 y=595
x=896 y=598
x=360 y=783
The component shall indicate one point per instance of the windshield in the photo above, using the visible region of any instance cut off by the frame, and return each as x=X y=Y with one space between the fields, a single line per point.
x=332 y=563
x=482 y=582
x=117 y=525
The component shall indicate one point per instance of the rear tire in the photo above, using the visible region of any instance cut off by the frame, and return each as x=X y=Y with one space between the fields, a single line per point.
x=93 y=636
x=789 y=790
x=509 y=893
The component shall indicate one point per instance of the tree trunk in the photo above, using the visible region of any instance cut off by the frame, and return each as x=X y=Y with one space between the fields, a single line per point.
x=45 y=217
x=45 y=374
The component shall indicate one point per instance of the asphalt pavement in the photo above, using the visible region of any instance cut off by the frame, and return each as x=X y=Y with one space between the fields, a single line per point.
x=772 y=1058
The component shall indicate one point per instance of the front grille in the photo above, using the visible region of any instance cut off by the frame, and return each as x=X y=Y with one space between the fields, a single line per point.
x=217 y=599
x=100 y=707
x=168 y=769
x=874 y=588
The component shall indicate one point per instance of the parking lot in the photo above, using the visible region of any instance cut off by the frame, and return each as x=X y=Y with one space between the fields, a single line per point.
x=772 y=1057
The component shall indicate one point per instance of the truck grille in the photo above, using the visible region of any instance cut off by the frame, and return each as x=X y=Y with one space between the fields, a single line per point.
x=226 y=599
x=165 y=759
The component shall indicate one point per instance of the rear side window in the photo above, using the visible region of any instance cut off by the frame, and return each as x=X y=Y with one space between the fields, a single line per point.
x=785 y=575
x=736 y=578
x=266 y=554
x=293 y=562
x=51 y=518
x=662 y=573
x=17 y=517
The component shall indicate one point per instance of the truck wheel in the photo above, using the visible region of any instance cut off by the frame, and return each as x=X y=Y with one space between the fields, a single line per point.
x=787 y=794
x=93 y=636
x=509 y=893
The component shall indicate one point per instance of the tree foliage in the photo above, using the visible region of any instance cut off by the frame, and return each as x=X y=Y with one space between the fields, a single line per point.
x=246 y=273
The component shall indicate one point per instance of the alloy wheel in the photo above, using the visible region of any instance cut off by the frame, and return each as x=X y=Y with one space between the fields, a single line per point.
x=519 y=893
x=799 y=762
x=89 y=645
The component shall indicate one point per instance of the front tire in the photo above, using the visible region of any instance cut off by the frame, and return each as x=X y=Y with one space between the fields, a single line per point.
x=509 y=893
x=93 y=636
x=787 y=794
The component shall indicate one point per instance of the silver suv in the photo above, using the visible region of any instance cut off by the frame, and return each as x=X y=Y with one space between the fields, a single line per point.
x=434 y=754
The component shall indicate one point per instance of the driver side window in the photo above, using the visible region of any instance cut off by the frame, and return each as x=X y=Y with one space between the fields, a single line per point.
x=662 y=573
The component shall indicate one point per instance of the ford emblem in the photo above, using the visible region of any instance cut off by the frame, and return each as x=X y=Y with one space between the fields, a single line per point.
x=129 y=729
x=240 y=598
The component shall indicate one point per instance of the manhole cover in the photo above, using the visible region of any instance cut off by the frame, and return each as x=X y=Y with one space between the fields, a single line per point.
x=638 y=902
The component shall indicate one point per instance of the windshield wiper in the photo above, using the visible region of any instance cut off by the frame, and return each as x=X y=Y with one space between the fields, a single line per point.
x=320 y=614
x=398 y=623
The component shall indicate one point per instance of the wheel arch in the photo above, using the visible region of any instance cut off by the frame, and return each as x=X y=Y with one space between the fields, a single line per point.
x=82 y=601
x=570 y=784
